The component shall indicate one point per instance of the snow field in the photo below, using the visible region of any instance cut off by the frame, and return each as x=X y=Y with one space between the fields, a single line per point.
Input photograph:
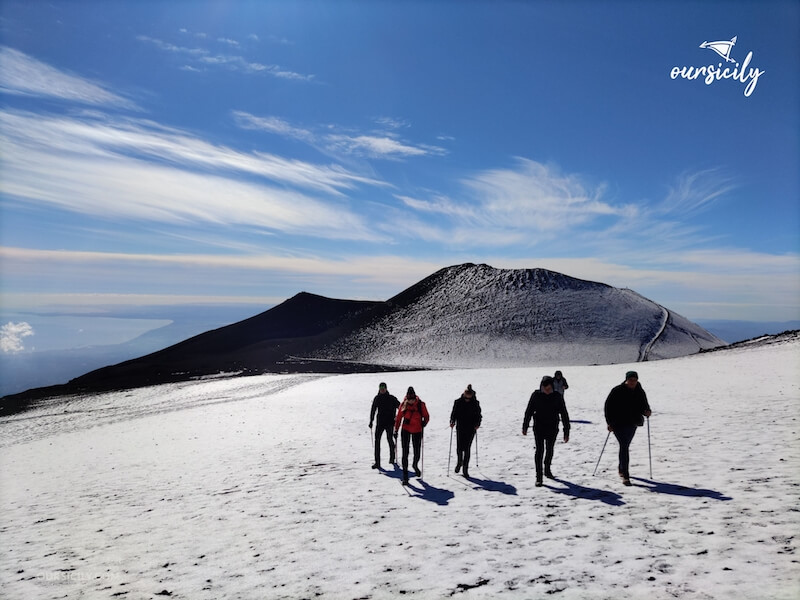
x=261 y=487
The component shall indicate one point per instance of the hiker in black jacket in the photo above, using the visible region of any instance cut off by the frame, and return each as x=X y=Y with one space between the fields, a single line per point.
x=625 y=409
x=466 y=418
x=386 y=406
x=545 y=407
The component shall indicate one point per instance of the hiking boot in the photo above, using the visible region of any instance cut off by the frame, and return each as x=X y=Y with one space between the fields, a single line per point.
x=405 y=481
x=376 y=466
x=549 y=474
x=539 y=483
x=626 y=481
x=458 y=465
x=417 y=471
x=466 y=474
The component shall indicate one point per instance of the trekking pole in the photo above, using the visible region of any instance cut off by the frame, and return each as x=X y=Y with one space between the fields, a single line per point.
x=450 y=452
x=422 y=455
x=649 y=453
x=477 y=456
x=601 y=454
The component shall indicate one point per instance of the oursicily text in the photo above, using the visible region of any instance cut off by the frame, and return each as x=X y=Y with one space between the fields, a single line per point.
x=711 y=73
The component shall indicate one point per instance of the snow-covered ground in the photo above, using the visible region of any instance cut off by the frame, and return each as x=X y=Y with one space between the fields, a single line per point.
x=261 y=487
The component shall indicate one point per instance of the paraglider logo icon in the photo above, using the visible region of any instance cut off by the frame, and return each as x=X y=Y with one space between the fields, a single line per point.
x=721 y=48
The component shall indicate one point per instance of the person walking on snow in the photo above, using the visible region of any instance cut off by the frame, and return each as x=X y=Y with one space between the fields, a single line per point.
x=466 y=418
x=413 y=415
x=560 y=384
x=386 y=405
x=625 y=409
x=545 y=407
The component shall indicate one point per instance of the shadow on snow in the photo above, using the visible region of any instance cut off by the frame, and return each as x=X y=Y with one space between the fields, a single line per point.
x=587 y=493
x=679 y=490
x=494 y=486
x=421 y=489
x=427 y=492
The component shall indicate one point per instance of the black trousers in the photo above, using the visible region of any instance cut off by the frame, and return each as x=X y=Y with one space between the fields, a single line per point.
x=464 y=439
x=379 y=430
x=624 y=436
x=416 y=439
x=545 y=445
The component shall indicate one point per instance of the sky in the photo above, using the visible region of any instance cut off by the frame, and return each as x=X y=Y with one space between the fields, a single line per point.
x=237 y=153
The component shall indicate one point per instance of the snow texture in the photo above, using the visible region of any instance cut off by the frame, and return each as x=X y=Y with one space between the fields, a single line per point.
x=478 y=316
x=261 y=487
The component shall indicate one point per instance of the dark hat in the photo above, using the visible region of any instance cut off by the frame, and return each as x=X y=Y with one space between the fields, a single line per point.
x=382 y=385
x=630 y=374
x=546 y=380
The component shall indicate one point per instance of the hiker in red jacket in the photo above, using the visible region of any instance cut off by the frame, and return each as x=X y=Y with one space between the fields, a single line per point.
x=413 y=415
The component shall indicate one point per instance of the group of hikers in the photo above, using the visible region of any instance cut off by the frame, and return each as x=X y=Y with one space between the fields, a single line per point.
x=625 y=409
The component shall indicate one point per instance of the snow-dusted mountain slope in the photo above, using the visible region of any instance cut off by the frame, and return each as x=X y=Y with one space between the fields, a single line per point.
x=261 y=488
x=462 y=316
x=475 y=315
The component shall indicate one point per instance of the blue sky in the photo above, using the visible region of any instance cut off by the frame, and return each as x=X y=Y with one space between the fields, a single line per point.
x=171 y=153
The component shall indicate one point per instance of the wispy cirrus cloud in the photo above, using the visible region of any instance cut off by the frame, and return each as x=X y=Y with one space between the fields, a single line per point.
x=384 y=144
x=174 y=48
x=533 y=204
x=273 y=125
x=165 y=175
x=696 y=191
x=527 y=204
x=374 y=146
x=23 y=75
x=103 y=137
x=539 y=197
x=201 y=58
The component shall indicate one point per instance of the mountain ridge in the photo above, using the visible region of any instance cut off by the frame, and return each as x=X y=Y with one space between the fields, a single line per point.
x=462 y=316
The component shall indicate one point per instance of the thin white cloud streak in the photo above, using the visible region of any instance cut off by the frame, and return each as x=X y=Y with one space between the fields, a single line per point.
x=77 y=303
x=11 y=336
x=229 y=61
x=168 y=47
x=364 y=268
x=381 y=145
x=202 y=277
x=373 y=146
x=23 y=75
x=742 y=260
x=272 y=125
x=696 y=191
